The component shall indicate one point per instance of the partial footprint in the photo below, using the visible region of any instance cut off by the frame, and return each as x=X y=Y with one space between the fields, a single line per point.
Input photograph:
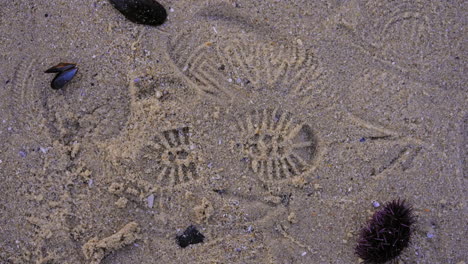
x=168 y=159
x=230 y=57
x=153 y=162
x=409 y=35
x=27 y=99
x=277 y=146
x=390 y=102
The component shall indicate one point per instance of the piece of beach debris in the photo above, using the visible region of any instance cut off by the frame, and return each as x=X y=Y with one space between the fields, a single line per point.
x=387 y=233
x=147 y=12
x=375 y=204
x=190 y=236
x=61 y=67
x=65 y=73
x=150 y=201
x=121 y=202
x=96 y=250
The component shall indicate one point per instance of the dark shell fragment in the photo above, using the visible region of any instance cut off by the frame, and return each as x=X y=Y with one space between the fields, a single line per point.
x=63 y=78
x=148 y=12
x=65 y=73
x=190 y=236
x=61 y=67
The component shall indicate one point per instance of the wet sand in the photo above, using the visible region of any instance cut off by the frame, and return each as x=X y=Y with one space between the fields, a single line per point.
x=271 y=126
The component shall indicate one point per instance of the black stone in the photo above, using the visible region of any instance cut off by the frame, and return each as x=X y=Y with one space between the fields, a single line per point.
x=148 y=12
x=190 y=236
x=219 y=191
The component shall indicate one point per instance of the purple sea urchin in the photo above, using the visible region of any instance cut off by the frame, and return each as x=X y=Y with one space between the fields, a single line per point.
x=387 y=233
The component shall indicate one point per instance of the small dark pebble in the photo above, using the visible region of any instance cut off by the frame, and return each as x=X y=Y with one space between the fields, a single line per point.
x=190 y=236
x=219 y=191
x=147 y=12
x=380 y=137
x=285 y=198
x=362 y=140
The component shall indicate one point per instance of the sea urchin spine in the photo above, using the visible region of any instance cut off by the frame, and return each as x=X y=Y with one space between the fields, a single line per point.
x=387 y=233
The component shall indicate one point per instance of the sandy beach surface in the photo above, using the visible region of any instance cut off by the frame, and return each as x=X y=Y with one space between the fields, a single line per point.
x=273 y=127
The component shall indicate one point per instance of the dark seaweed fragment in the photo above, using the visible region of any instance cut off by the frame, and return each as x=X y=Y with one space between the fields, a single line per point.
x=190 y=236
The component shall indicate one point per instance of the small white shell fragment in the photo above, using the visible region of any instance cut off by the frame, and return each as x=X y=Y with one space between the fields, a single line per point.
x=151 y=201
x=158 y=94
x=304 y=253
x=75 y=149
x=375 y=204
x=44 y=150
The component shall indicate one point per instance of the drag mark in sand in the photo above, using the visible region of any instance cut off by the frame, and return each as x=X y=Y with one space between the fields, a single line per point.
x=26 y=100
